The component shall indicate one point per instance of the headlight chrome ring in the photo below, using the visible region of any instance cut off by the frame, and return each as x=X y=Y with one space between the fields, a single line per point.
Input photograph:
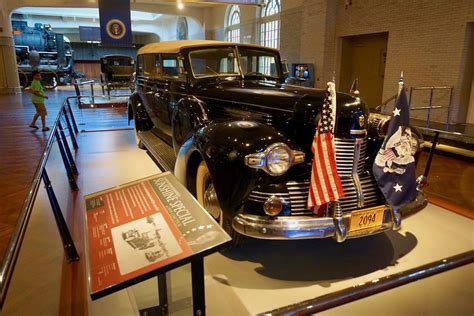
x=276 y=159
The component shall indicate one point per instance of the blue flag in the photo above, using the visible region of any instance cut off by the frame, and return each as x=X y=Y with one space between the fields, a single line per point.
x=115 y=23
x=394 y=165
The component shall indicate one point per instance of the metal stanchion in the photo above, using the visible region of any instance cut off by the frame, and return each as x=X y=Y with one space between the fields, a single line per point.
x=67 y=150
x=70 y=175
x=74 y=125
x=61 y=223
x=197 y=280
x=92 y=94
x=71 y=132
x=163 y=294
x=432 y=151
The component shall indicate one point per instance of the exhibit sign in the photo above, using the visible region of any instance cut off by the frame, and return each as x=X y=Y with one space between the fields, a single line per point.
x=115 y=22
x=89 y=34
x=136 y=230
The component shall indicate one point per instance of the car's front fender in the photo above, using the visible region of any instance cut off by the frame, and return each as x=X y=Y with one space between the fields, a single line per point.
x=189 y=114
x=223 y=146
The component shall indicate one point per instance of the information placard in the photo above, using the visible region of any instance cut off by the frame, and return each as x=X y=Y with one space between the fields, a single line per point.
x=137 y=230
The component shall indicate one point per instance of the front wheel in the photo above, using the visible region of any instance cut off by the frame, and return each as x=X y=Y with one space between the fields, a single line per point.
x=207 y=197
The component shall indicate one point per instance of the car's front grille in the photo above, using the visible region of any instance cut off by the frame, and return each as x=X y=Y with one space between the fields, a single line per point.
x=298 y=197
x=345 y=156
x=297 y=191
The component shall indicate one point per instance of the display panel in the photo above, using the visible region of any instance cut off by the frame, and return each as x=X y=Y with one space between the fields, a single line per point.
x=89 y=34
x=142 y=227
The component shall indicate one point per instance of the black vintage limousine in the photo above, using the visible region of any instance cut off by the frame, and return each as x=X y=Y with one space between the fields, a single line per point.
x=116 y=72
x=242 y=139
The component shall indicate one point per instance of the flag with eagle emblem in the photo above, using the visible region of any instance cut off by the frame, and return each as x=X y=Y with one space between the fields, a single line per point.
x=394 y=165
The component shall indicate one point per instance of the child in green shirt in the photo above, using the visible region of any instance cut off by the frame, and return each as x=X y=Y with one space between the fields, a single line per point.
x=37 y=98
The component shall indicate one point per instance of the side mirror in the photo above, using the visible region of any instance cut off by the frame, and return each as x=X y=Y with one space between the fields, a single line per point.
x=285 y=68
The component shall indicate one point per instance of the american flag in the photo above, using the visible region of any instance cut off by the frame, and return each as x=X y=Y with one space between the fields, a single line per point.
x=325 y=183
x=389 y=154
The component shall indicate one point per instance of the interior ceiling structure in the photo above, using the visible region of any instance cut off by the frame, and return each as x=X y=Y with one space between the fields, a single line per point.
x=88 y=13
x=93 y=13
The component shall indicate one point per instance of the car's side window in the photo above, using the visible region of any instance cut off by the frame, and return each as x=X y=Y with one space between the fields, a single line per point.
x=170 y=66
x=149 y=65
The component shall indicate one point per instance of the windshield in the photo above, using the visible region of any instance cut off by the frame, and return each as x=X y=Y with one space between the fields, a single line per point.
x=214 y=62
x=119 y=61
x=259 y=63
x=222 y=62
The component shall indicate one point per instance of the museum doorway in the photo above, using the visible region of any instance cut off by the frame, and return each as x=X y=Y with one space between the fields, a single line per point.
x=364 y=57
x=467 y=92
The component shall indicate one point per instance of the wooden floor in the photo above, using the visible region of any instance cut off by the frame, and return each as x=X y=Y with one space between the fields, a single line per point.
x=21 y=148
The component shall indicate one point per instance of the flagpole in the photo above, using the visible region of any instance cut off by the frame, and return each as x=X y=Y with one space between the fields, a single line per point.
x=401 y=84
x=355 y=88
x=338 y=220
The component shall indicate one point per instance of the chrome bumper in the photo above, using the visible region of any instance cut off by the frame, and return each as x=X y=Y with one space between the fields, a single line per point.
x=309 y=227
x=300 y=227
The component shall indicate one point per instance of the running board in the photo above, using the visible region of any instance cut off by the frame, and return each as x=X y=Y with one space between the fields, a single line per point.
x=159 y=151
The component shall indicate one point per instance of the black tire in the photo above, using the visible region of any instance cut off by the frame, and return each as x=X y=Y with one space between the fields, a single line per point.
x=136 y=130
x=207 y=197
x=49 y=79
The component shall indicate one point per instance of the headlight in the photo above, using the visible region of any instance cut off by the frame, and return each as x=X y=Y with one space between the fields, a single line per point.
x=378 y=125
x=276 y=159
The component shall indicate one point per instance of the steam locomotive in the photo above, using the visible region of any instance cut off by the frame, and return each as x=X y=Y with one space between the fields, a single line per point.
x=40 y=48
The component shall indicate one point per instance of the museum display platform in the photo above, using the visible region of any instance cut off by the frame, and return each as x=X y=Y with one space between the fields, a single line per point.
x=256 y=277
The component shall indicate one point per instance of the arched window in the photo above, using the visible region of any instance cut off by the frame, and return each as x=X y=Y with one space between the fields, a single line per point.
x=270 y=24
x=232 y=24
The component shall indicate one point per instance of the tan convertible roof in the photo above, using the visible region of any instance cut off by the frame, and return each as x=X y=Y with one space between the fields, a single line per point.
x=173 y=47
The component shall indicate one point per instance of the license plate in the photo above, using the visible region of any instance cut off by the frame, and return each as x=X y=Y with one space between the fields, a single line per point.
x=367 y=218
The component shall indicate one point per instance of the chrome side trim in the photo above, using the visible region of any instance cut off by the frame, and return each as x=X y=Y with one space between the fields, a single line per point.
x=355 y=175
x=300 y=227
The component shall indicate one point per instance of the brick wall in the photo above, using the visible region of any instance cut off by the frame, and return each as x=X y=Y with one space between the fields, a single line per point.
x=426 y=39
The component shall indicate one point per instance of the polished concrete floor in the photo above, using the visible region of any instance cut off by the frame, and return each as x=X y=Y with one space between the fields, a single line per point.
x=254 y=278
x=44 y=285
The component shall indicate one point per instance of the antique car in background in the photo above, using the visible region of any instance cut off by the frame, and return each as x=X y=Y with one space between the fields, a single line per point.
x=242 y=139
x=116 y=72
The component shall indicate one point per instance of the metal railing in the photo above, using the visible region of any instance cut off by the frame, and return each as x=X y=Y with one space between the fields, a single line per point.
x=92 y=96
x=57 y=134
x=430 y=106
x=382 y=106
